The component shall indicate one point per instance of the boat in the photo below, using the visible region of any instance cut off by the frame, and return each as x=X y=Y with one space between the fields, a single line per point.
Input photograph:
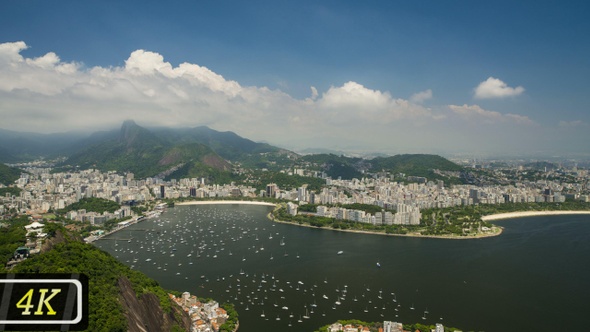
x=378 y=264
x=325 y=297
x=340 y=252
x=306 y=314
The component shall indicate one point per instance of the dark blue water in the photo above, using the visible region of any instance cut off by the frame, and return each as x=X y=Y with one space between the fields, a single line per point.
x=535 y=276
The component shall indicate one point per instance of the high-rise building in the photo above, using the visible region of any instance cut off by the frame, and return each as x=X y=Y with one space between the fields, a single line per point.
x=271 y=190
x=162 y=191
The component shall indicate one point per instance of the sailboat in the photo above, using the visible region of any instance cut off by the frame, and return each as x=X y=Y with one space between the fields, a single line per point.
x=306 y=314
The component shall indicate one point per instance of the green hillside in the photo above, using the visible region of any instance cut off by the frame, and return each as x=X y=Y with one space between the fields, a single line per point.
x=140 y=151
x=336 y=166
x=230 y=146
x=8 y=174
x=105 y=274
x=414 y=165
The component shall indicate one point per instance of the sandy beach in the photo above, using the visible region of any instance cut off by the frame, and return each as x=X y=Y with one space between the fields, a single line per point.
x=521 y=214
x=225 y=202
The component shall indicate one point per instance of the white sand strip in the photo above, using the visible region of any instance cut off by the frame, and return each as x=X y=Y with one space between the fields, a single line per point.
x=510 y=215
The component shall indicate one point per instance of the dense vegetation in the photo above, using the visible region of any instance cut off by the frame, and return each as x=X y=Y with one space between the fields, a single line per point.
x=12 y=191
x=417 y=165
x=337 y=166
x=98 y=205
x=8 y=174
x=232 y=321
x=12 y=236
x=212 y=174
x=103 y=271
x=467 y=219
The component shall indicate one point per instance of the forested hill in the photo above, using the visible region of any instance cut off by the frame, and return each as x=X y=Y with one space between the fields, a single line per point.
x=8 y=174
x=414 y=164
x=143 y=153
x=112 y=286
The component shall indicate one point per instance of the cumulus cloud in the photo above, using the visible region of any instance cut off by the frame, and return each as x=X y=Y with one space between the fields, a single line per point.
x=495 y=88
x=477 y=114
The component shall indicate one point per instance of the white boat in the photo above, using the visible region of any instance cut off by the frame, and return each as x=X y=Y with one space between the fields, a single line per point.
x=306 y=314
x=340 y=252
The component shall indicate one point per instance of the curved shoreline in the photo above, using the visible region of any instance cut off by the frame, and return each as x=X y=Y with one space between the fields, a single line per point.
x=521 y=214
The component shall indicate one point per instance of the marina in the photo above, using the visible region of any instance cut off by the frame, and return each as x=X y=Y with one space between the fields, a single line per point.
x=293 y=278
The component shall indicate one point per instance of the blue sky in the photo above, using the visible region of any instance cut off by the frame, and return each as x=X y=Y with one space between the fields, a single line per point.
x=414 y=76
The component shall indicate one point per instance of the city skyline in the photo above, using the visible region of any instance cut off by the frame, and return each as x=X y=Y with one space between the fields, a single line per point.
x=433 y=77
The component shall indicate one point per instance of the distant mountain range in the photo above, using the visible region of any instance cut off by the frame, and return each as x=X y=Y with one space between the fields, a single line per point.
x=197 y=152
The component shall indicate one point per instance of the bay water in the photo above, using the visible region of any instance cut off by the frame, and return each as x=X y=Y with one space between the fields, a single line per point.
x=535 y=276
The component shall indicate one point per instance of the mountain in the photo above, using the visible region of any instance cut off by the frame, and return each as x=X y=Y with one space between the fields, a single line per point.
x=230 y=146
x=140 y=151
x=414 y=164
x=337 y=166
x=8 y=174
x=227 y=144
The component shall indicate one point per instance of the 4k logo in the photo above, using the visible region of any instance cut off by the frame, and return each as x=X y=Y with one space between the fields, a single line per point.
x=43 y=302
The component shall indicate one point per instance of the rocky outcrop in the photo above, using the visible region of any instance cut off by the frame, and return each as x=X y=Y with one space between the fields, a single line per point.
x=57 y=238
x=144 y=313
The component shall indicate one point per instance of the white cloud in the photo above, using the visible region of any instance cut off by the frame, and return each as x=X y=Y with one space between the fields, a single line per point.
x=495 y=88
x=352 y=102
x=421 y=97
x=10 y=52
x=314 y=93
x=477 y=114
